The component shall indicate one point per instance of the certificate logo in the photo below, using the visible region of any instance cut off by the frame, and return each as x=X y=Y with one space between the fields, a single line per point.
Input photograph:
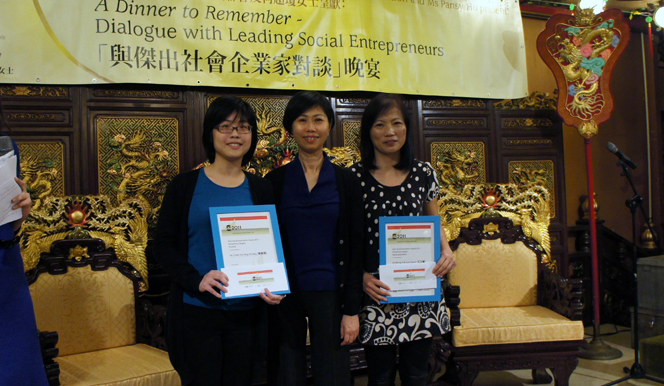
x=233 y=227
x=398 y=235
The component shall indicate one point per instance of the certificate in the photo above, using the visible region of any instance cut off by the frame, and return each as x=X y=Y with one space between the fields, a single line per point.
x=409 y=250
x=247 y=245
x=8 y=189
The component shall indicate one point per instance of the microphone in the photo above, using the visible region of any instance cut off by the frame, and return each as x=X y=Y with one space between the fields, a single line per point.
x=5 y=145
x=613 y=149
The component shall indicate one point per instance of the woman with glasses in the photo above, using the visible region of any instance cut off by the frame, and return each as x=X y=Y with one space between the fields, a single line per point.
x=320 y=218
x=396 y=184
x=210 y=340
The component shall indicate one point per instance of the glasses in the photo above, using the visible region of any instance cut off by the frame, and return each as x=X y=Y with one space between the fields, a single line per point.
x=227 y=129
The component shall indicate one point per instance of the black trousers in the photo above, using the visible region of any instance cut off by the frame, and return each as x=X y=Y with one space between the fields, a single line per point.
x=413 y=363
x=219 y=345
x=330 y=362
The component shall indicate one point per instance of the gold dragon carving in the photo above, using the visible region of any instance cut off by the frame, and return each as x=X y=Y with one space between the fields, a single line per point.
x=525 y=205
x=536 y=100
x=275 y=146
x=581 y=57
x=39 y=177
x=457 y=168
x=142 y=170
x=526 y=176
x=122 y=227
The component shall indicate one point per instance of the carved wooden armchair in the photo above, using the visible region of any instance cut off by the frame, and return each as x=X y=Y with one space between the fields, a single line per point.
x=513 y=310
x=86 y=284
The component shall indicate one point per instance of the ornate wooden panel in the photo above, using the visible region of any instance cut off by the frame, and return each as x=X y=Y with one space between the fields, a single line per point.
x=136 y=158
x=456 y=123
x=159 y=96
x=41 y=117
x=34 y=91
x=352 y=102
x=351 y=133
x=451 y=103
x=42 y=170
x=539 y=172
x=459 y=163
x=144 y=136
x=527 y=122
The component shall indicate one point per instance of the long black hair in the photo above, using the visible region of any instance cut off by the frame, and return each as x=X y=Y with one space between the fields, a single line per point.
x=220 y=109
x=378 y=106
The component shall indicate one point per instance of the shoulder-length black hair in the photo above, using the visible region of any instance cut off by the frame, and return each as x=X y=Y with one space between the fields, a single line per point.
x=303 y=101
x=218 y=112
x=378 y=106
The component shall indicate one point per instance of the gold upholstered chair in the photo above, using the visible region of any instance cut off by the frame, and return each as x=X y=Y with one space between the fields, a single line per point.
x=86 y=287
x=513 y=310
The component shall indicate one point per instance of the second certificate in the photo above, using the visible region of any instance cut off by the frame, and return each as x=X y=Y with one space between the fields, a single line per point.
x=409 y=249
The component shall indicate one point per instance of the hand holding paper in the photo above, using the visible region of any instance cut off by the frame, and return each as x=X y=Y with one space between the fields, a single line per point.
x=376 y=289
x=271 y=298
x=12 y=192
x=445 y=263
x=213 y=281
x=22 y=201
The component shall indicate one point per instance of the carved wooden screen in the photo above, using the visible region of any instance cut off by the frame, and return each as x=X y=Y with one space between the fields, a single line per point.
x=130 y=140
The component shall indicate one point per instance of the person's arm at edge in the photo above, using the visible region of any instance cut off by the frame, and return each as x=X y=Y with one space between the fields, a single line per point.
x=446 y=261
x=353 y=287
x=23 y=202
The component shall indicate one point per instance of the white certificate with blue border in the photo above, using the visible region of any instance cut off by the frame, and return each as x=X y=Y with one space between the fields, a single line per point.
x=247 y=244
x=409 y=250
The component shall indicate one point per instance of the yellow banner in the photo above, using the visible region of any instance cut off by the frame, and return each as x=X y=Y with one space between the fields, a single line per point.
x=469 y=48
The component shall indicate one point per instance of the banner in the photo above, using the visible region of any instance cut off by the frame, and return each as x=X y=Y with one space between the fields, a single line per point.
x=465 y=48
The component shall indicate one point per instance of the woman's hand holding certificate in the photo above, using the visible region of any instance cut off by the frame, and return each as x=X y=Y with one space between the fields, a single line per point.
x=213 y=282
x=376 y=289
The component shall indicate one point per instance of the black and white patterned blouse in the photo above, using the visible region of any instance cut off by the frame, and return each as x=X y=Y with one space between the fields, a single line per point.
x=396 y=323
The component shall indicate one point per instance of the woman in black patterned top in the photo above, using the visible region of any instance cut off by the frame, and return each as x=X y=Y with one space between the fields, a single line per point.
x=395 y=184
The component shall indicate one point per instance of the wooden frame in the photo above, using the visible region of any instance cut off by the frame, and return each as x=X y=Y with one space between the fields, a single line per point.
x=560 y=295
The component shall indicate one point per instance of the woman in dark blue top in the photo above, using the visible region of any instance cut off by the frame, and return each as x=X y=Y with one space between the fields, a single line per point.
x=210 y=340
x=320 y=218
x=20 y=357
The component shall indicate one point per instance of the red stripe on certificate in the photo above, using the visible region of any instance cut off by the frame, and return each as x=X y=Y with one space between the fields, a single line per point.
x=244 y=218
x=409 y=270
x=254 y=272
x=409 y=227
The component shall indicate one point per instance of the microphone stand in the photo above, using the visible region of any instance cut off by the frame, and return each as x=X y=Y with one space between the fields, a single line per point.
x=637 y=371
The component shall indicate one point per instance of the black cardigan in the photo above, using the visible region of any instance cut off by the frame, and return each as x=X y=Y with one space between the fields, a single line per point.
x=349 y=230
x=171 y=246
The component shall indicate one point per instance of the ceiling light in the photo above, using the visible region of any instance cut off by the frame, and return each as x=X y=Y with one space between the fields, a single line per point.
x=596 y=5
x=659 y=17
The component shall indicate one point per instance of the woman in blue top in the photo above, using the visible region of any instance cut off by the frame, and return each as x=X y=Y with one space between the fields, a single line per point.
x=20 y=357
x=396 y=184
x=320 y=218
x=210 y=340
